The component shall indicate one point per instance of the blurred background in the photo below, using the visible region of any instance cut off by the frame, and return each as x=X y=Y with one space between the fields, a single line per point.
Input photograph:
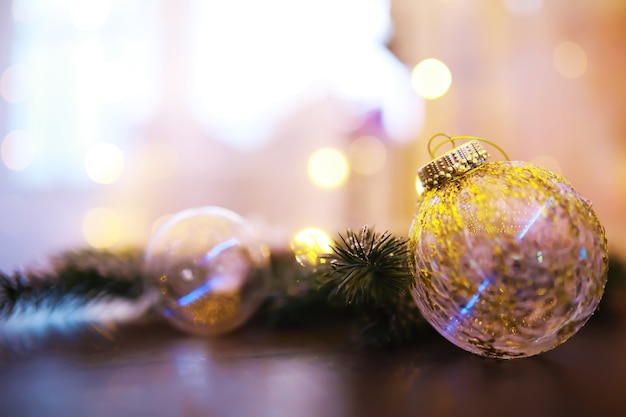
x=115 y=114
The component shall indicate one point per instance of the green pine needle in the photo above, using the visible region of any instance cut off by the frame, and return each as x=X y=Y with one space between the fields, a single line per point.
x=392 y=325
x=100 y=271
x=368 y=269
x=368 y=273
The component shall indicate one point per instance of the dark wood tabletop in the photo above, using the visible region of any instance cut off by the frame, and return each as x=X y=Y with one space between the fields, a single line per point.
x=152 y=370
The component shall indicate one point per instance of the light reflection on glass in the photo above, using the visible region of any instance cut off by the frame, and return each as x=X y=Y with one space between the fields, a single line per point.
x=158 y=222
x=419 y=187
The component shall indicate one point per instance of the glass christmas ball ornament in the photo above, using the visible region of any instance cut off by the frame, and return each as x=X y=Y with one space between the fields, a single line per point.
x=509 y=260
x=207 y=271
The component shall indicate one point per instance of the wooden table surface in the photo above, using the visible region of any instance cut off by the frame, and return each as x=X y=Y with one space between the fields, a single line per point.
x=152 y=370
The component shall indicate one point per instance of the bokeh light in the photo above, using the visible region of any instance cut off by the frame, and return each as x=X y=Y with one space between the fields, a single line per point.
x=104 y=163
x=523 y=7
x=431 y=78
x=570 y=60
x=328 y=168
x=367 y=155
x=115 y=82
x=102 y=227
x=25 y=11
x=308 y=244
x=18 y=150
x=240 y=96
x=15 y=83
x=97 y=79
x=89 y=14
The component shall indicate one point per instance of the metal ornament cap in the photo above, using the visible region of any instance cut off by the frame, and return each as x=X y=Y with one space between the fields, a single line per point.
x=452 y=164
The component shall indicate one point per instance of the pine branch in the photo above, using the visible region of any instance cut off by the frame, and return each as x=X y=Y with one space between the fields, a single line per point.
x=368 y=268
x=82 y=275
x=392 y=325
x=102 y=272
x=295 y=297
x=82 y=288
x=366 y=277
x=370 y=273
x=17 y=287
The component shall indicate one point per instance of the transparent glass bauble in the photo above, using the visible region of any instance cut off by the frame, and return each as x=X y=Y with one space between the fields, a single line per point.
x=510 y=261
x=207 y=270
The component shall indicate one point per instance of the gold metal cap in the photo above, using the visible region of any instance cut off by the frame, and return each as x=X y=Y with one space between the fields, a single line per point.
x=452 y=164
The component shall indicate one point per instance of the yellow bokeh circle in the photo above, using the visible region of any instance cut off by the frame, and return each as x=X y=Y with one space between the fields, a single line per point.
x=431 y=78
x=328 y=168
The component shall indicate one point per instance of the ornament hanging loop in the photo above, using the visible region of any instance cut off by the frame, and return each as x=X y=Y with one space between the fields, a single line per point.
x=454 y=163
x=453 y=139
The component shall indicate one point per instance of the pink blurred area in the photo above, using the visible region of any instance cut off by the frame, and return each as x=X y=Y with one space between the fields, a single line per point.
x=223 y=103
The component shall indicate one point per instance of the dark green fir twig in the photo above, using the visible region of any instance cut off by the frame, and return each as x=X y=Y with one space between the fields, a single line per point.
x=83 y=275
x=295 y=297
x=366 y=278
x=368 y=269
x=371 y=273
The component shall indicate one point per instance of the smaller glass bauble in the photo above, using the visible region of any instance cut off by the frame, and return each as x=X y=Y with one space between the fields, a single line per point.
x=207 y=270
x=510 y=260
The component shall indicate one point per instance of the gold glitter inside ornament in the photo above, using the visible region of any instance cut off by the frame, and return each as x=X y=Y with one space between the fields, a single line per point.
x=207 y=270
x=510 y=261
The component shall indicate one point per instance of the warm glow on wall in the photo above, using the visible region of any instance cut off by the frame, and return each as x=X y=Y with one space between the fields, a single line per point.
x=570 y=60
x=89 y=14
x=523 y=7
x=102 y=227
x=548 y=162
x=431 y=78
x=24 y=11
x=104 y=163
x=328 y=168
x=367 y=155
